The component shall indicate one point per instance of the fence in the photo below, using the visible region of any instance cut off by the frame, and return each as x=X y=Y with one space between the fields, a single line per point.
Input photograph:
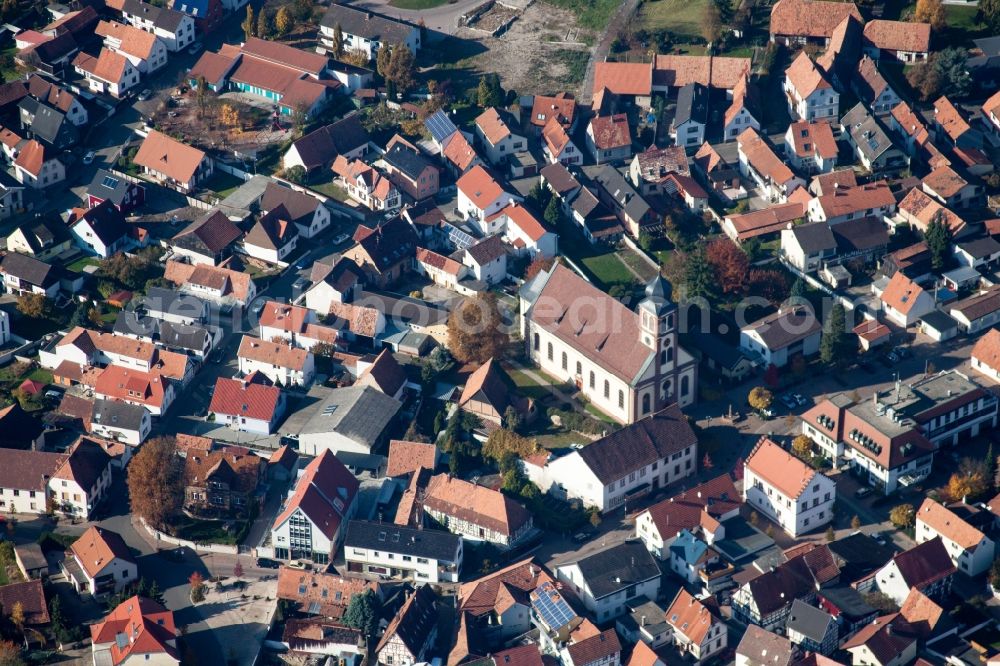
x=197 y=547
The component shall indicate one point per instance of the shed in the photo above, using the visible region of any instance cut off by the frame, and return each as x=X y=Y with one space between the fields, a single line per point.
x=31 y=560
x=938 y=326
x=962 y=277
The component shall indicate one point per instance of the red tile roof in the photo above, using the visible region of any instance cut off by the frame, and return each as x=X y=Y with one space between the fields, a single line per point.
x=246 y=399
x=987 y=349
x=789 y=475
x=97 y=547
x=810 y=18
x=899 y=35
x=148 y=628
x=162 y=154
x=324 y=492
x=624 y=78
x=611 y=131
x=406 y=457
x=475 y=504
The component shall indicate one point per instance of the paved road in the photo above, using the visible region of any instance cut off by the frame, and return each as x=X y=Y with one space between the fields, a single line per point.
x=622 y=17
x=443 y=18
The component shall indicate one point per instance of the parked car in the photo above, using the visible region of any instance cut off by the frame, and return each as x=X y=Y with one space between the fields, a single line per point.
x=89 y=157
x=340 y=238
x=788 y=400
x=799 y=399
x=145 y=94
x=863 y=492
x=195 y=48
x=299 y=564
x=265 y=563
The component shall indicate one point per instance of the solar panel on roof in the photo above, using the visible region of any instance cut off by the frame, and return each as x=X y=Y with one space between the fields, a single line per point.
x=459 y=238
x=551 y=606
x=110 y=181
x=440 y=126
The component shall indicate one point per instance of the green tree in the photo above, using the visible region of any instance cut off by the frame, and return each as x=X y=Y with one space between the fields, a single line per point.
x=338 y=41
x=995 y=574
x=265 y=24
x=799 y=289
x=511 y=419
x=382 y=59
x=197 y=583
x=855 y=523
x=363 y=613
x=489 y=92
x=931 y=11
x=36 y=306
x=835 y=347
x=760 y=398
x=156 y=481
x=902 y=515
x=553 y=213
x=296 y=174
x=401 y=68
x=201 y=93
x=831 y=534
x=990 y=11
x=990 y=467
x=699 y=277
x=284 y=21
x=249 y=24
x=503 y=442
x=802 y=446
x=938 y=238
x=476 y=331
x=955 y=78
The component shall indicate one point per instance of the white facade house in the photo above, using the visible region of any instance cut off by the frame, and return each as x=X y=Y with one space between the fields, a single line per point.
x=144 y=50
x=985 y=357
x=109 y=73
x=600 y=477
x=926 y=567
x=495 y=137
x=786 y=490
x=605 y=581
x=279 y=362
x=100 y=563
x=480 y=198
x=313 y=519
x=392 y=551
x=810 y=95
x=904 y=301
x=577 y=333
x=350 y=419
x=696 y=631
x=121 y=422
x=971 y=551
x=776 y=339
x=366 y=32
x=175 y=28
x=82 y=482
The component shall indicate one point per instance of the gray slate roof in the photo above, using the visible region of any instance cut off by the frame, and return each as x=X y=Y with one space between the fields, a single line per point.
x=366 y=24
x=616 y=568
x=163 y=18
x=360 y=413
x=29 y=269
x=814 y=237
x=117 y=414
x=692 y=104
x=809 y=621
x=389 y=538
x=624 y=451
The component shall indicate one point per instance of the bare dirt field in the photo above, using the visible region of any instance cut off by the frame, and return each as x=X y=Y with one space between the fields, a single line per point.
x=543 y=50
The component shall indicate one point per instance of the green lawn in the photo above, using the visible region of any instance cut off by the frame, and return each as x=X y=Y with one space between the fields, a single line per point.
x=576 y=65
x=41 y=375
x=681 y=17
x=223 y=184
x=962 y=26
x=331 y=189
x=637 y=264
x=593 y=14
x=527 y=386
x=206 y=531
x=608 y=268
x=417 y=4
x=81 y=263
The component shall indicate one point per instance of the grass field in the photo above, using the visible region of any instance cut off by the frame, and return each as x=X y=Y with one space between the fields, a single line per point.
x=681 y=17
x=608 y=268
x=593 y=14
x=417 y=4
x=81 y=263
x=962 y=26
x=223 y=184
